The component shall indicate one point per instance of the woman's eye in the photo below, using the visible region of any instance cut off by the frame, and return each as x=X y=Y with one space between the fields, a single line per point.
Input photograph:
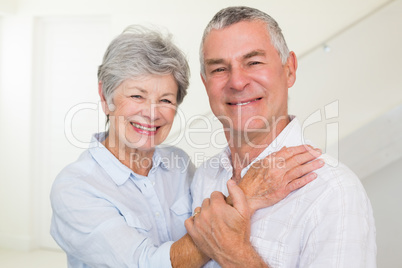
x=136 y=96
x=166 y=101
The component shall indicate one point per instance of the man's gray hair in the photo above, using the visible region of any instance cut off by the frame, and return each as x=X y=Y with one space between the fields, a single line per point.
x=231 y=15
x=138 y=52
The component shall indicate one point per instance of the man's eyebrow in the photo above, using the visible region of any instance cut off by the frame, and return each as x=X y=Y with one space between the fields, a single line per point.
x=213 y=61
x=254 y=53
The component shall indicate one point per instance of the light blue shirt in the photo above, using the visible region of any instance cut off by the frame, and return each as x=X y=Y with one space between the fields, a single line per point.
x=105 y=215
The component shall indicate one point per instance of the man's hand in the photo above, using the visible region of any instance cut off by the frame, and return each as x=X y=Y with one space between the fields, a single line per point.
x=271 y=179
x=222 y=232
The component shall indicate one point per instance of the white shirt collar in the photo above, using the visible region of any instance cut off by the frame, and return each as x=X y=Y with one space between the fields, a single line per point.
x=291 y=135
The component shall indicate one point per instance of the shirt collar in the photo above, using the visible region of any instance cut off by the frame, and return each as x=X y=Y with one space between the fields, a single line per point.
x=291 y=135
x=159 y=159
x=113 y=167
x=116 y=170
x=225 y=159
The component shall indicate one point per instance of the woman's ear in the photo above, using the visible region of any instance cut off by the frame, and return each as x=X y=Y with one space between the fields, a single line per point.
x=291 y=66
x=105 y=106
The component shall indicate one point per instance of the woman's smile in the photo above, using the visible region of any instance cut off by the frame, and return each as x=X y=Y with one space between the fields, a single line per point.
x=144 y=129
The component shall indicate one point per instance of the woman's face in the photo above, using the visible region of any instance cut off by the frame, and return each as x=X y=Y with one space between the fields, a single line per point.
x=143 y=111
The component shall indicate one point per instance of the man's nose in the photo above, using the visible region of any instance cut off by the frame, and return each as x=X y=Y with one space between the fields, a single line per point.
x=239 y=78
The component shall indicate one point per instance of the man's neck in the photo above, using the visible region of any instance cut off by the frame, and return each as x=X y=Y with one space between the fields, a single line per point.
x=245 y=147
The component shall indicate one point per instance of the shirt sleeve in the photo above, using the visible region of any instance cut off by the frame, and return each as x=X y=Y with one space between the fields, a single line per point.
x=92 y=230
x=340 y=230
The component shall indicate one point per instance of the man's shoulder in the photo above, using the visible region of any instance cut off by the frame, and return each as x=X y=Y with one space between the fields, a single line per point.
x=335 y=182
x=337 y=173
x=212 y=175
x=213 y=164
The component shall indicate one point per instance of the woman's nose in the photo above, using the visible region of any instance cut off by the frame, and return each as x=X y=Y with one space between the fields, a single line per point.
x=151 y=110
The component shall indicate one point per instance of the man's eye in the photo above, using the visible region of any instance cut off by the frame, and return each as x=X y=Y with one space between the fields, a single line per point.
x=254 y=63
x=136 y=96
x=218 y=70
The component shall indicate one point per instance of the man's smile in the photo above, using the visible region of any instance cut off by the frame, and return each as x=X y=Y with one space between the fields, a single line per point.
x=241 y=103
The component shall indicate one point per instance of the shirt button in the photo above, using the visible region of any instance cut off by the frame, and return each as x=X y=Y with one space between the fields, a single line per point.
x=157 y=214
x=153 y=183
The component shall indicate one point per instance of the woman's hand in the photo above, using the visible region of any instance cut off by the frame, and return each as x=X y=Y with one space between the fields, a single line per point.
x=271 y=179
x=222 y=232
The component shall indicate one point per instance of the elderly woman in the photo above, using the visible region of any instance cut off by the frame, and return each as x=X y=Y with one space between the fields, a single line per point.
x=123 y=203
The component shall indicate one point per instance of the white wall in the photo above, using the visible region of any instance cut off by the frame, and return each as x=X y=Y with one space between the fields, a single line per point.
x=8 y=7
x=65 y=105
x=356 y=73
x=15 y=143
x=363 y=68
x=384 y=190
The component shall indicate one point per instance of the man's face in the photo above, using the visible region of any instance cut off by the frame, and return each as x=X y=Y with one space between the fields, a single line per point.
x=245 y=80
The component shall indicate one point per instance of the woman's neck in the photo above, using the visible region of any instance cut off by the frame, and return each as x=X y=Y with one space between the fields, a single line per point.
x=137 y=160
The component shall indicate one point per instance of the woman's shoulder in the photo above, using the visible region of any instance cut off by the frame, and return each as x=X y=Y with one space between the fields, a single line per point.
x=174 y=159
x=171 y=151
x=82 y=167
x=75 y=178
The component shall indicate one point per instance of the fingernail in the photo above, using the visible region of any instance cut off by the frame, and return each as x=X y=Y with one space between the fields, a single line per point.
x=231 y=182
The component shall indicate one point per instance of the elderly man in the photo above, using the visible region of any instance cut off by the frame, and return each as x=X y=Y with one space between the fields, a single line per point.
x=247 y=70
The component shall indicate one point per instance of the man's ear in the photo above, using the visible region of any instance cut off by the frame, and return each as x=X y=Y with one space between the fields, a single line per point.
x=291 y=67
x=105 y=106
x=203 y=81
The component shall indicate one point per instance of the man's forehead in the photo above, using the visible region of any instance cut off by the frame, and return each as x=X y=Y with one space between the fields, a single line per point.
x=247 y=55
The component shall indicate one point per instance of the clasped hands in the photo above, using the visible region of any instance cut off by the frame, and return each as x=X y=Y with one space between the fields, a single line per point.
x=221 y=226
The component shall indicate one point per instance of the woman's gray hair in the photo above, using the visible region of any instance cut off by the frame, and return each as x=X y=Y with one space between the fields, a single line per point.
x=231 y=15
x=140 y=51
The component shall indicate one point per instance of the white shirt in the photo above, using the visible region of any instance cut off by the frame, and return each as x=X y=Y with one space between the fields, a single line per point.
x=105 y=215
x=327 y=223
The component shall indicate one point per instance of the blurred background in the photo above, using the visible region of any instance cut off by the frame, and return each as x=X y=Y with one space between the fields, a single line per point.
x=348 y=96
